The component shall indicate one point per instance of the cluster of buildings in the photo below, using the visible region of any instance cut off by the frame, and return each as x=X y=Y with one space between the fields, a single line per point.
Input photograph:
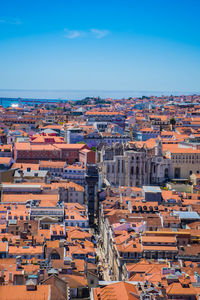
x=100 y=199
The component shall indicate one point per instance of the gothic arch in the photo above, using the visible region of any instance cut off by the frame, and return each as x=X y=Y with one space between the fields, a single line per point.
x=132 y=170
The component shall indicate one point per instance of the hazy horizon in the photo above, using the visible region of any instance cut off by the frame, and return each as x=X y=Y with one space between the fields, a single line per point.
x=64 y=94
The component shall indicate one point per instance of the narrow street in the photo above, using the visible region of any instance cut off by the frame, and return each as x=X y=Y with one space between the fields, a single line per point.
x=104 y=267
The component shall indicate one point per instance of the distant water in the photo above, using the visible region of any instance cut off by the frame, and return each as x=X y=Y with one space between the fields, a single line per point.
x=58 y=95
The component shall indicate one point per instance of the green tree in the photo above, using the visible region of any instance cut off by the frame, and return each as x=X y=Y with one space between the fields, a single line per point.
x=82 y=142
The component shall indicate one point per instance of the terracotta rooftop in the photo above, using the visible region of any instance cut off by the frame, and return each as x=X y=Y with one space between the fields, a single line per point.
x=116 y=291
x=13 y=292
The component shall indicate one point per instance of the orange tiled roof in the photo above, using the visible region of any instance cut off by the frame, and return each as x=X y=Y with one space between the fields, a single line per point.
x=116 y=291
x=5 y=160
x=25 y=250
x=176 y=289
x=52 y=164
x=3 y=246
x=111 y=113
x=158 y=239
x=24 y=166
x=13 y=292
x=24 y=197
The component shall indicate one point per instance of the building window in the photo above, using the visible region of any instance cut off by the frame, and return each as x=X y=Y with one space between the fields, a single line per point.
x=177 y=173
x=118 y=166
x=132 y=170
x=137 y=171
x=166 y=173
x=122 y=166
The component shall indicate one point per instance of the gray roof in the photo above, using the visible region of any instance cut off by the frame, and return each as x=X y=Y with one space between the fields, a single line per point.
x=21 y=186
x=80 y=109
x=22 y=139
x=53 y=271
x=49 y=130
x=151 y=189
x=31 y=173
x=67 y=258
x=187 y=214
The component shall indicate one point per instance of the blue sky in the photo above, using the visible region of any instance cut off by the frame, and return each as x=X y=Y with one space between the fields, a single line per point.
x=151 y=45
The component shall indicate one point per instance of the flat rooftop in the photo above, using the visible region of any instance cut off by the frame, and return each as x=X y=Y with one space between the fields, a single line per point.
x=21 y=186
x=151 y=189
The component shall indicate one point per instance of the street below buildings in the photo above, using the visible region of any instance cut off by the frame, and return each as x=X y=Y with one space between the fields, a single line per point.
x=104 y=268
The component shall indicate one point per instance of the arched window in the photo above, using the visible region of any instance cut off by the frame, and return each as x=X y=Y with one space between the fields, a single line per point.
x=118 y=166
x=132 y=170
x=166 y=173
x=137 y=170
x=122 y=166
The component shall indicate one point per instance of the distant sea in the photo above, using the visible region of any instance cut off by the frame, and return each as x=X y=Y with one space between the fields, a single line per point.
x=58 y=95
